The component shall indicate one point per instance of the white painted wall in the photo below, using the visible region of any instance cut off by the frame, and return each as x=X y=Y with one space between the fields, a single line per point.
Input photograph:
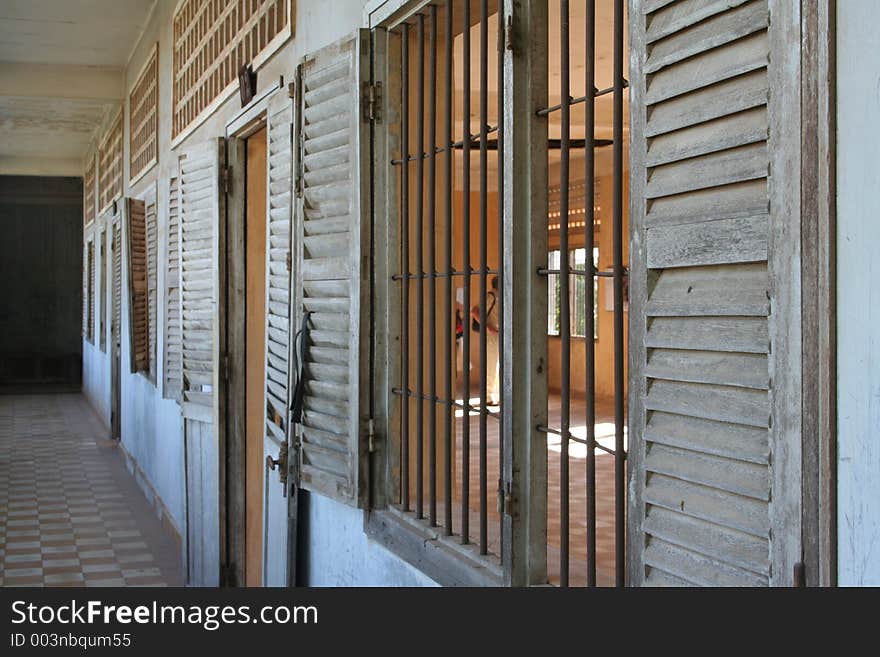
x=858 y=291
x=340 y=553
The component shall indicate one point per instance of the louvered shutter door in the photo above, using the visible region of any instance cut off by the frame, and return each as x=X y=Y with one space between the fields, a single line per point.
x=92 y=288
x=172 y=298
x=152 y=251
x=280 y=117
x=117 y=280
x=700 y=406
x=332 y=232
x=199 y=247
x=85 y=286
x=103 y=232
x=137 y=281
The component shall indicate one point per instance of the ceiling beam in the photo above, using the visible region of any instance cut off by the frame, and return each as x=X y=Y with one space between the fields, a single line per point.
x=67 y=82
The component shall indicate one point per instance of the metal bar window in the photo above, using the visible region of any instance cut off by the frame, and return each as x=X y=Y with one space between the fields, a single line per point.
x=449 y=283
x=588 y=530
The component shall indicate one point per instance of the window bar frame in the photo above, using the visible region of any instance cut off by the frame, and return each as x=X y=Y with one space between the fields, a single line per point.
x=450 y=324
x=420 y=288
x=564 y=293
x=499 y=293
x=589 y=300
x=483 y=218
x=617 y=246
x=404 y=241
x=466 y=248
x=432 y=266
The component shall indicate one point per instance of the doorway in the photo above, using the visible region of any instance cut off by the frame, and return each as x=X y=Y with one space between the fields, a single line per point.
x=254 y=357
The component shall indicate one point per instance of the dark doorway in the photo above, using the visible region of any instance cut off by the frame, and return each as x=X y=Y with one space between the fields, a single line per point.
x=41 y=270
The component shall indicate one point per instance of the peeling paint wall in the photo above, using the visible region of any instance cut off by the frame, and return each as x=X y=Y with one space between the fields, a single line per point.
x=858 y=293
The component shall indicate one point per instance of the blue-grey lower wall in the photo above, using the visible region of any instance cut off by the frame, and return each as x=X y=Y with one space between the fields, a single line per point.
x=858 y=292
x=152 y=434
x=96 y=379
x=340 y=554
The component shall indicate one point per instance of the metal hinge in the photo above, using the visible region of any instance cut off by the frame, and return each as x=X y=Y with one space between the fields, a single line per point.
x=291 y=90
x=225 y=367
x=226 y=178
x=508 y=33
x=288 y=261
x=504 y=503
x=372 y=99
x=371 y=436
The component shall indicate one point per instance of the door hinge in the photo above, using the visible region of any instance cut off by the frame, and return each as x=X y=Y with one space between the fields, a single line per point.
x=371 y=100
x=508 y=33
x=224 y=364
x=288 y=261
x=226 y=178
x=371 y=436
x=505 y=498
x=291 y=90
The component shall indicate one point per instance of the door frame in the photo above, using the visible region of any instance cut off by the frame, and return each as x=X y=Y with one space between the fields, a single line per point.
x=233 y=313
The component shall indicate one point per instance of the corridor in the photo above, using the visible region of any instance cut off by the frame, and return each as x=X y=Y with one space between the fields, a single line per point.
x=70 y=512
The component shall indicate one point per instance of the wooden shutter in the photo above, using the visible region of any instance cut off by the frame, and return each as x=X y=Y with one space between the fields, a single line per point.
x=116 y=318
x=332 y=233
x=152 y=251
x=199 y=247
x=90 y=289
x=280 y=118
x=137 y=286
x=700 y=401
x=103 y=232
x=172 y=366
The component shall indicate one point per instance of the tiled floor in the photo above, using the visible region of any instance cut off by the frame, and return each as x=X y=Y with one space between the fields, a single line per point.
x=70 y=512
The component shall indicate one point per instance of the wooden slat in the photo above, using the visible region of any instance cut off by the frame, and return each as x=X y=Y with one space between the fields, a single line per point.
x=726 y=241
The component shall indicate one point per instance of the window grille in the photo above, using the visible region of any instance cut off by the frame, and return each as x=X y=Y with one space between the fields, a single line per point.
x=143 y=107
x=212 y=40
x=110 y=165
x=89 y=191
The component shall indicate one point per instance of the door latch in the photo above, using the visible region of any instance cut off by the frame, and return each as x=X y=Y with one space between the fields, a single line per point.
x=281 y=464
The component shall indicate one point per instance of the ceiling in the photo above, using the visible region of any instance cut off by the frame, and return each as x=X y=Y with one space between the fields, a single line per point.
x=61 y=75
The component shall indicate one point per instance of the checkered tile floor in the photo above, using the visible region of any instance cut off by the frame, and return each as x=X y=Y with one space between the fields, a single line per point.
x=70 y=512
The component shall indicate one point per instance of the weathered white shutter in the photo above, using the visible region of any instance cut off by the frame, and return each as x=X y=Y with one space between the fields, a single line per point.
x=280 y=118
x=172 y=366
x=202 y=224
x=700 y=406
x=199 y=247
x=86 y=285
x=152 y=251
x=137 y=286
x=279 y=206
x=103 y=232
x=331 y=243
x=91 y=293
x=116 y=318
